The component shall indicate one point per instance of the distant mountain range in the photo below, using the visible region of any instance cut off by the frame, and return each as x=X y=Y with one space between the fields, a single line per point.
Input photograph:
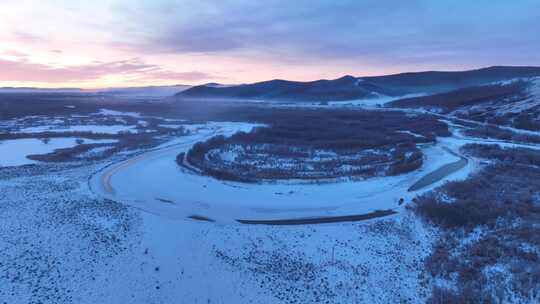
x=148 y=91
x=341 y=89
x=350 y=88
x=39 y=90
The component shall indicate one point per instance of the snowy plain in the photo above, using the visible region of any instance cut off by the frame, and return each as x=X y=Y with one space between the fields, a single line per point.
x=136 y=244
x=132 y=255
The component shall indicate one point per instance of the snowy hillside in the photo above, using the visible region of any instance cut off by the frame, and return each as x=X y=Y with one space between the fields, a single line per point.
x=354 y=88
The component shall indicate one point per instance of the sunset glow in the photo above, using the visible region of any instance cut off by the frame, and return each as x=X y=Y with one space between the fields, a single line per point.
x=61 y=43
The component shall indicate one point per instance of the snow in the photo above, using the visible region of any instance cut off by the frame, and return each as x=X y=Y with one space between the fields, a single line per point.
x=510 y=105
x=411 y=133
x=345 y=263
x=104 y=129
x=207 y=130
x=99 y=150
x=13 y=152
x=228 y=156
x=173 y=120
x=118 y=113
x=103 y=252
x=521 y=131
x=227 y=201
x=380 y=100
x=171 y=126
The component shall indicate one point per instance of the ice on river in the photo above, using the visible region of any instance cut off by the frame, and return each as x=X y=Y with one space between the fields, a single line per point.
x=103 y=129
x=14 y=152
x=150 y=177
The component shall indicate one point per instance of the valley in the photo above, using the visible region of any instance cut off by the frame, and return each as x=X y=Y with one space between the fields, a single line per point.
x=268 y=201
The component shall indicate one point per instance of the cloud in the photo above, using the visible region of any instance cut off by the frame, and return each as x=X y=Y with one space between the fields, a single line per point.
x=135 y=68
x=160 y=74
x=24 y=37
x=15 y=53
x=378 y=32
x=255 y=40
x=196 y=40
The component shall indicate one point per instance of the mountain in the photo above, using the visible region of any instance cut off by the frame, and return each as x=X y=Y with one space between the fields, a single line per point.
x=470 y=96
x=344 y=88
x=149 y=91
x=437 y=82
x=349 y=87
x=514 y=103
x=19 y=90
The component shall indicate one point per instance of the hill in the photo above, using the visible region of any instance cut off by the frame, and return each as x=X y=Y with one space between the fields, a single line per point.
x=350 y=88
x=512 y=103
x=343 y=88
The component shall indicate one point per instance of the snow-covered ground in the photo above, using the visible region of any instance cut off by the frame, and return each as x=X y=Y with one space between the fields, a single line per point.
x=13 y=152
x=118 y=113
x=65 y=242
x=370 y=262
x=104 y=129
x=74 y=246
x=170 y=126
x=381 y=100
x=368 y=103
x=62 y=244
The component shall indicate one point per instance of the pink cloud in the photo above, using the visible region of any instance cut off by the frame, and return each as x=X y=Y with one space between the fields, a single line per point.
x=27 y=37
x=14 y=53
x=34 y=72
x=188 y=76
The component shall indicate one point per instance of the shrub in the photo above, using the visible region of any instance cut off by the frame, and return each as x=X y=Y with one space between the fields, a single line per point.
x=296 y=134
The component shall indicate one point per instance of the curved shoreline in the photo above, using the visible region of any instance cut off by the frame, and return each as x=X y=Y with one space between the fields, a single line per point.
x=189 y=194
x=440 y=173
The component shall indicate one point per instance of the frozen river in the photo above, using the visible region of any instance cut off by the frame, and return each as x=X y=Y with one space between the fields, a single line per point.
x=152 y=181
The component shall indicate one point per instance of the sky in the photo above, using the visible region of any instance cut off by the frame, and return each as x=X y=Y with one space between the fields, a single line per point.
x=116 y=43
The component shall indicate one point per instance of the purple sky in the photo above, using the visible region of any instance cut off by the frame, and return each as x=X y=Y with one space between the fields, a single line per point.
x=61 y=43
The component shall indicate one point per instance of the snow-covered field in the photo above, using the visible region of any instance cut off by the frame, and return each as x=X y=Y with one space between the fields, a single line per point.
x=74 y=247
x=118 y=231
x=66 y=244
x=381 y=100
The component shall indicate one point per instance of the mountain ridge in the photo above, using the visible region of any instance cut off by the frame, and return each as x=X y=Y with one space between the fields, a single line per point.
x=350 y=87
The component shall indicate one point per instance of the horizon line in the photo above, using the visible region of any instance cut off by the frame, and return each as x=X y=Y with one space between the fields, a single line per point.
x=82 y=88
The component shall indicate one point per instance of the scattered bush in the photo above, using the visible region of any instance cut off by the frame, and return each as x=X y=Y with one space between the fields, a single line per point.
x=366 y=143
x=470 y=96
x=492 y=131
x=502 y=264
